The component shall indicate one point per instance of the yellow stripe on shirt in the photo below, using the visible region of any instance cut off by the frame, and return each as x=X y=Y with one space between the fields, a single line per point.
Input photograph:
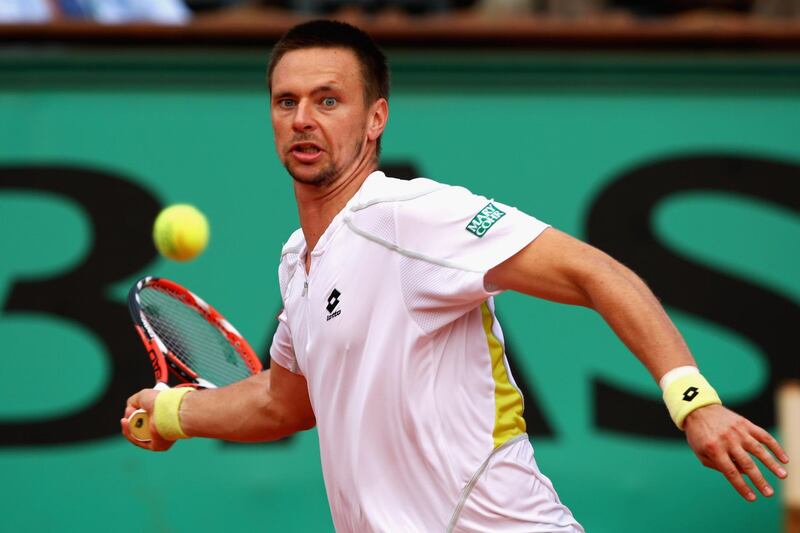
x=508 y=421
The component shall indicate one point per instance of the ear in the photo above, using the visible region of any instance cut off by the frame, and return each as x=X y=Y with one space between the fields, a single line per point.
x=379 y=116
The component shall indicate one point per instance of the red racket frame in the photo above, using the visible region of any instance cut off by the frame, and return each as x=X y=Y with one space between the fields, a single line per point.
x=162 y=359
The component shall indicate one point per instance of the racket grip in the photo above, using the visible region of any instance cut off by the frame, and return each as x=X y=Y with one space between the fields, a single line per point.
x=139 y=420
x=139 y=425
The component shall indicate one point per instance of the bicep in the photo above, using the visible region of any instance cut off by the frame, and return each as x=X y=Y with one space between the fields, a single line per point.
x=555 y=266
x=289 y=394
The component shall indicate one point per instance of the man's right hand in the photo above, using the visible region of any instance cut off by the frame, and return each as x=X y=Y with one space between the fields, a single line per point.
x=144 y=399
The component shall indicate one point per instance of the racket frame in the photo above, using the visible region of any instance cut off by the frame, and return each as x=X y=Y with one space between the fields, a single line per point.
x=162 y=360
x=160 y=356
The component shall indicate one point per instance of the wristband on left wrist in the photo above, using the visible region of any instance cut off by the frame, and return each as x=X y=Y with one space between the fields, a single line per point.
x=686 y=390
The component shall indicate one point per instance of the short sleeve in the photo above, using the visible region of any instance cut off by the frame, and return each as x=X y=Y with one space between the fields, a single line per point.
x=450 y=239
x=282 y=350
x=454 y=227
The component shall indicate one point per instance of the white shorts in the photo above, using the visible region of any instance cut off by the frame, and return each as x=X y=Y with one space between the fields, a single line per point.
x=510 y=494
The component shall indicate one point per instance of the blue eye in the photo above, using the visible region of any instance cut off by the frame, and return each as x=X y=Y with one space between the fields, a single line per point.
x=286 y=103
x=329 y=101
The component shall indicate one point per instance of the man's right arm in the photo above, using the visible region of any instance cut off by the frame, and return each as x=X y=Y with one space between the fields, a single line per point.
x=268 y=406
x=264 y=407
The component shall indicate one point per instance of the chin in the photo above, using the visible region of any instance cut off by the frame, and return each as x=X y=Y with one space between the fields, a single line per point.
x=319 y=178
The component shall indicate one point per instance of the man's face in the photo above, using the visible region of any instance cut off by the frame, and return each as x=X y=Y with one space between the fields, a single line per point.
x=319 y=115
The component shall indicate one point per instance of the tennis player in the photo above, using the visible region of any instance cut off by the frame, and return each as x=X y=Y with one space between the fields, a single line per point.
x=388 y=341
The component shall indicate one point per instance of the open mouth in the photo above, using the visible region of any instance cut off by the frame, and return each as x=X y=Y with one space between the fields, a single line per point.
x=306 y=148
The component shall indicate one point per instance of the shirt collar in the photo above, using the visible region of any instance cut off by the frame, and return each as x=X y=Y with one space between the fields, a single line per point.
x=338 y=220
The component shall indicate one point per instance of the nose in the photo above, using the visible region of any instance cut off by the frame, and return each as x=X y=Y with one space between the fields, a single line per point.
x=303 y=117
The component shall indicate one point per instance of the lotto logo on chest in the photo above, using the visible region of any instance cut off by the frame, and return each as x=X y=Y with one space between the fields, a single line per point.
x=333 y=303
x=484 y=220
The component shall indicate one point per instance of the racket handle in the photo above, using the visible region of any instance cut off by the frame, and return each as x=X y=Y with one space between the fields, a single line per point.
x=139 y=425
x=139 y=420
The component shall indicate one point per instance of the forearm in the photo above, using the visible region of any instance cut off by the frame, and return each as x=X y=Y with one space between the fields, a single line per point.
x=636 y=316
x=247 y=411
x=721 y=439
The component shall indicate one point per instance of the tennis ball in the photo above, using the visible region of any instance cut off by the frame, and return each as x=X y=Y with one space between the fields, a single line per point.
x=180 y=232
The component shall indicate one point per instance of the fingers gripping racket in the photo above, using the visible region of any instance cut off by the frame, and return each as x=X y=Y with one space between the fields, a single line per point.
x=187 y=337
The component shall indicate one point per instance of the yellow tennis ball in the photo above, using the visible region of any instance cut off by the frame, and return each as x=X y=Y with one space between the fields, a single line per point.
x=180 y=232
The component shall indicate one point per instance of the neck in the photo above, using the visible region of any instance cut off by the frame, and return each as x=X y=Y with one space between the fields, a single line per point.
x=318 y=205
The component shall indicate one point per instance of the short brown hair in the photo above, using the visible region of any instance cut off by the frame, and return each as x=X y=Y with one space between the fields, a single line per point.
x=334 y=34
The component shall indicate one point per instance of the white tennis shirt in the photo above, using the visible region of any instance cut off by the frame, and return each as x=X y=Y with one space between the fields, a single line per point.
x=419 y=419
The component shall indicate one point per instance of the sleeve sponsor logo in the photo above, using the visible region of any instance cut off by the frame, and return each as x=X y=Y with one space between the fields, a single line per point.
x=484 y=220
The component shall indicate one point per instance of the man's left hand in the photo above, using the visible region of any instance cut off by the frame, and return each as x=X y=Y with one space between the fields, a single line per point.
x=725 y=441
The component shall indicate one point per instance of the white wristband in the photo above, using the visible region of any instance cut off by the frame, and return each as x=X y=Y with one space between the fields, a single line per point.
x=674 y=374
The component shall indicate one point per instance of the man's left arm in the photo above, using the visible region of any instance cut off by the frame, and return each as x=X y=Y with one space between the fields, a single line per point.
x=562 y=269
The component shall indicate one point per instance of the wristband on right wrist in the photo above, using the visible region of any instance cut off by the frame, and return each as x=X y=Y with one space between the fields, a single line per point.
x=687 y=392
x=167 y=413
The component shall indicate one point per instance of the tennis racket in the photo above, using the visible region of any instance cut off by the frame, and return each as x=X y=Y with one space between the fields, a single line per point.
x=185 y=336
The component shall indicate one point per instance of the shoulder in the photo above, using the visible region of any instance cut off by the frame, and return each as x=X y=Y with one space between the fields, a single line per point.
x=384 y=205
x=374 y=210
x=380 y=190
x=412 y=202
x=440 y=224
x=410 y=199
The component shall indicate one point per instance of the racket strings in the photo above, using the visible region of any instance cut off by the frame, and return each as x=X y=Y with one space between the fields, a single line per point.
x=191 y=338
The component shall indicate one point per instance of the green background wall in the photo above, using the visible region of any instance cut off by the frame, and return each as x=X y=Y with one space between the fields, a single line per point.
x=546 y=133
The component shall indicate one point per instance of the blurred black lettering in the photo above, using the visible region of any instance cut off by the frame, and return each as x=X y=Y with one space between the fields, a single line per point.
x=620 y=223
x=121 y=215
